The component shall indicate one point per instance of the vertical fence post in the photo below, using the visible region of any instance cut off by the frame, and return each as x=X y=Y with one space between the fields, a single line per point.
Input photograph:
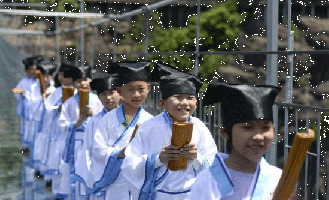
x=58 y=59
x=197 y=56
x=290 y=57
x=76 y=51
x=318 y=136
x=306 y=159
x=65 y=47
x=115 y=45
x=41 y=36
x=82 y=45
x=92 y=52
x=146 y=24
x=272 y=17
x=23 y=44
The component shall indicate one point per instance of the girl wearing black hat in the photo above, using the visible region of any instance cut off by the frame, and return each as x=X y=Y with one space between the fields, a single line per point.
x=150 y=151
x=248 y=123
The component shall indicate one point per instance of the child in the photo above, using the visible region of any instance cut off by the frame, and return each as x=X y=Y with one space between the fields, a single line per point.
x=72 y=126
x=116 y=127
x=110 y=98
x=53 y=102
x=28 y=95
x=47 y=70
x=147 y=156
x=40 y=140
x=248 y=122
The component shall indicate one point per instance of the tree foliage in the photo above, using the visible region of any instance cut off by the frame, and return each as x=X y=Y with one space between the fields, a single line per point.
x=220 y=26
x=61 y=5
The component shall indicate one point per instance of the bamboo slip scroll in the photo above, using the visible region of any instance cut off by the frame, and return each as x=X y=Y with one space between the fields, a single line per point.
x=181 y=135
x=67 y=92
x=84 y=99
x=294 y=164
x=42 y=83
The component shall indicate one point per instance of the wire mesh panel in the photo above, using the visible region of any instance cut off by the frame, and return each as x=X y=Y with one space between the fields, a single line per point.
x=245 y=64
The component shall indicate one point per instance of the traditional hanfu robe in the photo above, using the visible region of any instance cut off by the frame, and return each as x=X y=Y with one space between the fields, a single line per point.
x=144 y=170
x=83 y=173
x=110 y=138
x=70 y=138
x=52 y=157
x=42 y=116
x=25 y=107
x=216 y=183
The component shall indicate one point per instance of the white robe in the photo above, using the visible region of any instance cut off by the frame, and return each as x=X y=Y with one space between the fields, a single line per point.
x=109 y=140
x=143 y=152
x=69 y=115
x=44 y=116
x=83 y=161
x=26 y=107
x=215 y=183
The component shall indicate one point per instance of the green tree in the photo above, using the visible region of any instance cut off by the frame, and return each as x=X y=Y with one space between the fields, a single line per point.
x=61 y=5
x=220 y=26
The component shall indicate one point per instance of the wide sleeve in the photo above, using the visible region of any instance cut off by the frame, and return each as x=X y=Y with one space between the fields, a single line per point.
x=204 y=188
x=133 y=166
x=101 y=152
x=83 y=161
x=207 y=148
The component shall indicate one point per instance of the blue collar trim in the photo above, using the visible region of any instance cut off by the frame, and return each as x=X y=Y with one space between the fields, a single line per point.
x=121 y=114
x=168 y=120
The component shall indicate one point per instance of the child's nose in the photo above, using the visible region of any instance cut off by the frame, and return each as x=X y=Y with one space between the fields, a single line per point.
x=259 y=136
x=136 y=94
x=184 y=101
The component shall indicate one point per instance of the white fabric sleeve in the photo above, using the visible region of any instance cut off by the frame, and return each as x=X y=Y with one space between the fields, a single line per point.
x=101 y=152
x=204 y=188
x=133 y=166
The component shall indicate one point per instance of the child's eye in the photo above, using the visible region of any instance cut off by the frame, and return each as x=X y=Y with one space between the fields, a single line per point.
x=265 y=128
x=247 y=127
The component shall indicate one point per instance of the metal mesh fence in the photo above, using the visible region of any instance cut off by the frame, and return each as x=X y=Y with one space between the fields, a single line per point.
x=291 y=118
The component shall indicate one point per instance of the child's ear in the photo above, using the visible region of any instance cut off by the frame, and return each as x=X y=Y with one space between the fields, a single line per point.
x=148 y=87
x=118 y=89
x=162 y=103
x=223 y=133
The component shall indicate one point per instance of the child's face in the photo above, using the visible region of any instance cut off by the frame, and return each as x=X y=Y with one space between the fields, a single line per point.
x=134 y=93
x=32 y=71
x=63 y=80
x=252 y=139
x=110 y=99
x=180 y=106
x=47 y=79
x=83 y=83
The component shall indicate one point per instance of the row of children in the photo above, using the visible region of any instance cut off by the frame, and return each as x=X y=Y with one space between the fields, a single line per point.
x=114 y=149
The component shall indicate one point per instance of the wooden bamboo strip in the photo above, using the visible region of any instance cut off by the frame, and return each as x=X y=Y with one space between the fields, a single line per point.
x=181 y=135
x=67 y=92
x=295 y=162
x=84 y=99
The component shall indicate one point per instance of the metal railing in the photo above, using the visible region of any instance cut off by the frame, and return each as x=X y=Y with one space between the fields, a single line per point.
x=210 y=115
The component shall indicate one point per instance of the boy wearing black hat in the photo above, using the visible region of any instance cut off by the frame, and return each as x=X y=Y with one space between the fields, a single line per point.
x=116 y=128
x=248 y=123
x=110 y=98
x=28 y=95
x=72 y=126
x=53 y=104
x=150 y=151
